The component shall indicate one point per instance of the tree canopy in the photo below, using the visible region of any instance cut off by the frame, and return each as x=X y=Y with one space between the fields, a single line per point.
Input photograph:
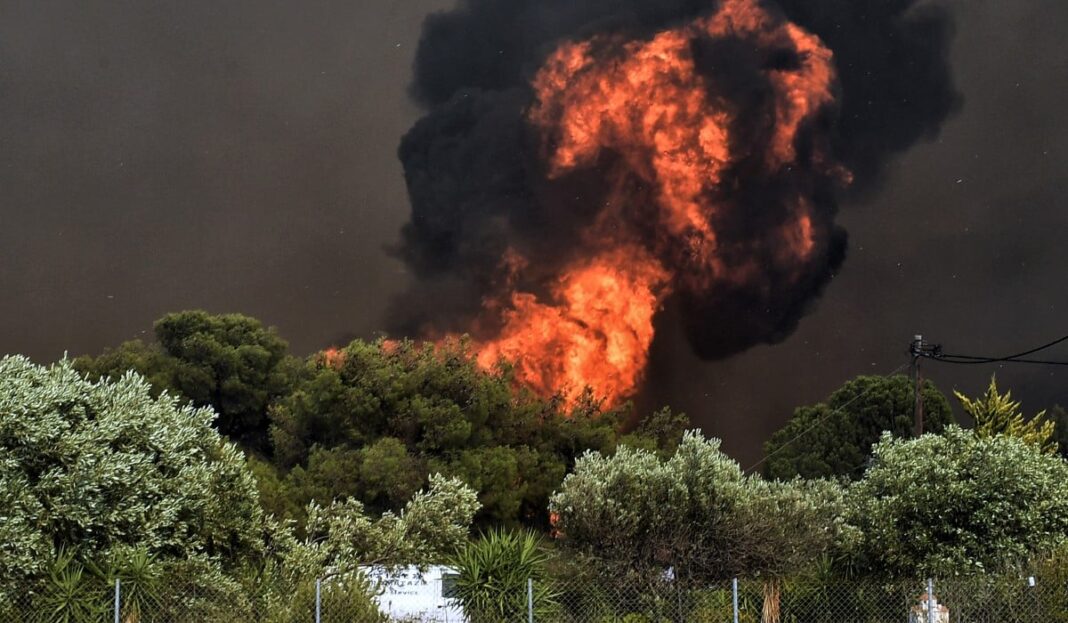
x=957 y=503
x=433 y=524
x=372 y=420
x=88 y=466
x=103 y=476
x=838 y=434
x=696 y=512
x=229 y=362
x=994 y=414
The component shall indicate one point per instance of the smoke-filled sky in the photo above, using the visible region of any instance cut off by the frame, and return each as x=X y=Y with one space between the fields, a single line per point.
x=243 y=157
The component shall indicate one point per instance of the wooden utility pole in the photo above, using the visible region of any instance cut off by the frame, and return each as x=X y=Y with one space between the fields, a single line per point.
x=917 y=411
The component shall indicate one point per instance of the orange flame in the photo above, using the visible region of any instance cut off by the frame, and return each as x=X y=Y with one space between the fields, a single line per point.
x=647 y=103
x=554 y=525
x=332 y=357
x=595 y=331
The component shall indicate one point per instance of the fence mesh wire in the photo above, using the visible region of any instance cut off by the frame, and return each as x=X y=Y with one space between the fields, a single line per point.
x=757 y=602
x=958 y=600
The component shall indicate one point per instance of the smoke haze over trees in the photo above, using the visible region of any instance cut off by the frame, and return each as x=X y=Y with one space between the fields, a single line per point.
x=223 y=162
x=373 y=420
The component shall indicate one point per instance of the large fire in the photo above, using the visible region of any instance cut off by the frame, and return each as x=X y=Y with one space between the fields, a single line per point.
x=594 y=331
x=648 y=104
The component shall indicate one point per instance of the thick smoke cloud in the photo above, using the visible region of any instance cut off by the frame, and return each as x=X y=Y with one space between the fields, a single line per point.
x=892 y=59
x=478 y=186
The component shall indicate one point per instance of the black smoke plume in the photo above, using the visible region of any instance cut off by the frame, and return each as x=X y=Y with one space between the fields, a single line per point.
x=478 y=186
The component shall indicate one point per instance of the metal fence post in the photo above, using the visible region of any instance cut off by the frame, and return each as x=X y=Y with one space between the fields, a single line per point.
x=118 y=600
x=930 y=602
x=734 y=594
x=530 y=600
x=318 y=600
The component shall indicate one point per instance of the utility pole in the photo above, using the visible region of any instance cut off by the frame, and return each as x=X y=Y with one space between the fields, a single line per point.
x=916 y=348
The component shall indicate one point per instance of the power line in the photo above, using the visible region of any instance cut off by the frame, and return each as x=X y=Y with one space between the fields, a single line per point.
x=936 y=354
x=925 y=350
x=967 y=361
x=822 y=420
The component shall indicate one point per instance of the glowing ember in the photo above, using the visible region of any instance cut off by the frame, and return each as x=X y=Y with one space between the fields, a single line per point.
x=332 y=357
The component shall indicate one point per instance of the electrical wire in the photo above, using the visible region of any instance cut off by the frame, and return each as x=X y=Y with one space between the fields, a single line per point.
x=822 y=420
x=934 y=356
x=1017 y=358
x=965 y=360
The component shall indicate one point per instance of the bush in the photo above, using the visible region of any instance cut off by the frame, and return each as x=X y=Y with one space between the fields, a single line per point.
x=957 y=504
x=93 y=467
x=71 y=593
x=493 y=573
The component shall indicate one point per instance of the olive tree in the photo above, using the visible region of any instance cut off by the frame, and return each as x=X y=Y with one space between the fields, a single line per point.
x=957 y=503
x=96 y=474
x=696 y=512
x=90 y=466
x=341 y=538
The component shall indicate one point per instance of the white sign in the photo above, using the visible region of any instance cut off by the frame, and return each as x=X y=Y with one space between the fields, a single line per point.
x=407 y=594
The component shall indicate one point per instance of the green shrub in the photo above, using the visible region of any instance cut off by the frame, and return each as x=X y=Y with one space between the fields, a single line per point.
x=493 y=573
x=1052 y=574
x=72 y=593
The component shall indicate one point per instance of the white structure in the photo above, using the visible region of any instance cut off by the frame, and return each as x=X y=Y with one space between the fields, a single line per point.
x=921 y=613
x=405 y=594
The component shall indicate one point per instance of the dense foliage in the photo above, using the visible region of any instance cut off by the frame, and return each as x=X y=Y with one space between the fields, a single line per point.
x=90 y=466
x=385 y=453
x=839 y=433
x=372 y=420
x=695 y=512
x=958 y=503
x=995 y=413
x=102 y=480
x=230 y=362
x=432 y=525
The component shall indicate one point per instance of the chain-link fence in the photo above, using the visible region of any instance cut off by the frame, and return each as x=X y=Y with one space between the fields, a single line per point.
x=353 y=598
x=970 y=600
x=338 y=600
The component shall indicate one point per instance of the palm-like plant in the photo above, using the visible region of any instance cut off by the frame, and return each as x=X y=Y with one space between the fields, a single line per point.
x=71 y=594
x=79 y=592
x=492 y=577
x=139 y=574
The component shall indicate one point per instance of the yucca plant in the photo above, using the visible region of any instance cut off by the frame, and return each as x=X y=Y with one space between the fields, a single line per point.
x=140 y=577
x=492 y=577
x=72 y=594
